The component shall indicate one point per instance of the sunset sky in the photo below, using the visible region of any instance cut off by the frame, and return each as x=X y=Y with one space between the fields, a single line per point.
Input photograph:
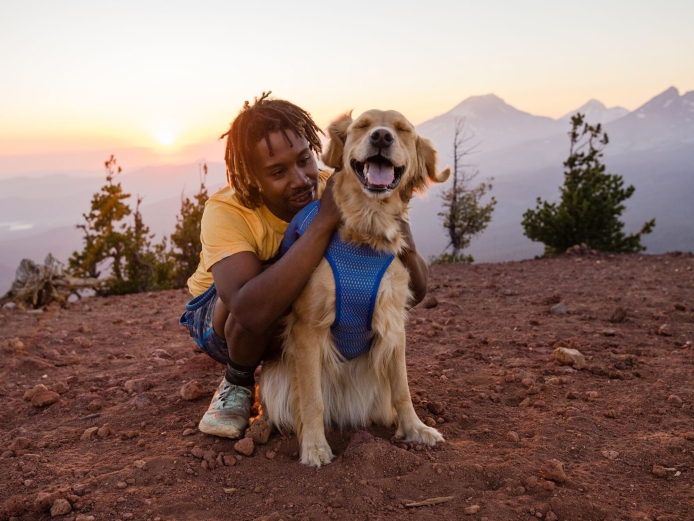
x=88 y=75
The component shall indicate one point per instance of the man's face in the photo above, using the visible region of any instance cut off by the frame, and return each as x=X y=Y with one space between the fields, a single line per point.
x=288 y=179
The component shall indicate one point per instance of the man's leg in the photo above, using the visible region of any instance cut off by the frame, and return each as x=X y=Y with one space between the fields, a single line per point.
x=230 y=408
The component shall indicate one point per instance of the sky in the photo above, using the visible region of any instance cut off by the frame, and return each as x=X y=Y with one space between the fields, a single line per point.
x=85 y=75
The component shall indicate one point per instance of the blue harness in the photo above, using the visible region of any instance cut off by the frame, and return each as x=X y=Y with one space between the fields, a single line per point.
x=358 y=271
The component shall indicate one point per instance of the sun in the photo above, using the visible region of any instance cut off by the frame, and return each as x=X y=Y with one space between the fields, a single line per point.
x=166 y=136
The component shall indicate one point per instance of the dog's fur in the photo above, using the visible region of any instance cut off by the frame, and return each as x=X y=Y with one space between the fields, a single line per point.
x=311 y=384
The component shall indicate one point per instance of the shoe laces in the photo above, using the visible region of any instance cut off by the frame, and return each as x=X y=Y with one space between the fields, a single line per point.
x=234 y=396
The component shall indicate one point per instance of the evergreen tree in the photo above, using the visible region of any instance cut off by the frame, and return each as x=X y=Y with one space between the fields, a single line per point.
x=185 y=240
x=464 y=216
x=591 y=201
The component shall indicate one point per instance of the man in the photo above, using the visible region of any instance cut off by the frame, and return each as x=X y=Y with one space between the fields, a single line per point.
x=241 y=290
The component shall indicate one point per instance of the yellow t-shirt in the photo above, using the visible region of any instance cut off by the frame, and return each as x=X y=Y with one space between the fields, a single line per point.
x=228 y=227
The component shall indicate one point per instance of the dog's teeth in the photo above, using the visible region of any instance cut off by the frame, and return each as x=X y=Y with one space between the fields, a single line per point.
x=366 y=168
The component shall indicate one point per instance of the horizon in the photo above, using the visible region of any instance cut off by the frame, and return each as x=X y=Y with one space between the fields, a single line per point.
x=163 y=77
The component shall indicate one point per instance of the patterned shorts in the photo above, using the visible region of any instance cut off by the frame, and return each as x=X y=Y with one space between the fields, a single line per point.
x=198 y=319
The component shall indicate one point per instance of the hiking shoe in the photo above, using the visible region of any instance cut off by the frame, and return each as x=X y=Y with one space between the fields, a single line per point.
x=229 y=411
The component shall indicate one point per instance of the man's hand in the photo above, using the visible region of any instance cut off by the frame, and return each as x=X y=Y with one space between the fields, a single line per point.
x=415 y=264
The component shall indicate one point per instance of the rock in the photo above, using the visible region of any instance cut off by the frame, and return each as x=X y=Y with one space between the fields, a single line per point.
x=229 y=460
x=94 y=405
x=618 y=316
x=430 y=302
x=527 y=382
x=525 y=403
x=548 y=485
x=246 y=446
x=60 y=507
x=571 y=395
x=44 y=500
x=192 y=390
x=510 y=377
x=30 y=393
x=189 y=432
x=572 y=357
x=591 y=395
x=197 y=452
x=531 y=481
x=160 y=353
x=8 y=454
x=551 y=516
x=665 y=330
x=259 y=431
x=121 y=485
x=72 y=380
x=271 y=454
x=45 y=398
x=89 y=433
x=138 y=385
x=61 y=388
x=20 y=443
x=533 y=390
x=140 y=464
x=659 y=471
x=431 y=422
x=83 y=342
x=435 y=407
x=553 y=470
x=104 y=431
x=558 y=309
x=539 y=403
x=610 y=454
x=609 y=332
x=673 y=398
x=472 y=509
x=512 y=436
x=84 y=517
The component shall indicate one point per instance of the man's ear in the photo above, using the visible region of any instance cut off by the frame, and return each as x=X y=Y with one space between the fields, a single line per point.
x=337 y=130
x=426 y=166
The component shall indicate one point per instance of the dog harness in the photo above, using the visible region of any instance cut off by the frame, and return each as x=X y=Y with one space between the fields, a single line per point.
x=358 y=270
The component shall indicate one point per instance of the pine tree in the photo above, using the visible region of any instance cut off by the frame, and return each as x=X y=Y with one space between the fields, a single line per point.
x=591 y=201
x=464 y=216
x=185 y=240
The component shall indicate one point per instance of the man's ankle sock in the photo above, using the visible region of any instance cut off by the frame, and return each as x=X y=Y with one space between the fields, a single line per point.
x=240 y=375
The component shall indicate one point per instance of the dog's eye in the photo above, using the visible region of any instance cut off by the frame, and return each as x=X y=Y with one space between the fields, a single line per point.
x=362 y=125
x=401 y=128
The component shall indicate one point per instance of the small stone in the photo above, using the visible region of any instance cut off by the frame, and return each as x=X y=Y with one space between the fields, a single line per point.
x=659 y=471
x=610 y=454
x=94 y=405
x=20 y=443
x=533 y=390
x=271 y=454
x=689 y=436
x=121 y=485
x=60 y=507
x=89 y=433
x=551 y=516
x=30 y=393
x=138 y=385
x=8 y=454
x=548 y=485
x=527 y=382
x=197 y=452
x=83 y=342
x=510 y=377
x=531 y=481
x=609 y=332
x=230 y=490
x=553 y=470
x=525 y=403
x=140 y=464
x=431 y=422
x=673 y=398
x=567 y=356
x=84 y=517
x=539 y=404
x=435 y=407
x=61 y=388
x=472 y=509
x=72 y=379
x=189 y=432
x=430 y=302
x=45 y=398
x=229 y=460
x=512 y=436
x=591 y=395
x=558 y=309
x=618 y=316
x=259 y=431
x=571 y=395
x=192 y=390
x=665 y=330
x=104 y=430
x=245 y=446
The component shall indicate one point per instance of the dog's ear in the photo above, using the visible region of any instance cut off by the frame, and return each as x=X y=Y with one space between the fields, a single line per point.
x=426 y=166
x=337 y=131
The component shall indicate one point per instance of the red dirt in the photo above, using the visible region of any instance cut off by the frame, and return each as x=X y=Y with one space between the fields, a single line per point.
x=482 y=360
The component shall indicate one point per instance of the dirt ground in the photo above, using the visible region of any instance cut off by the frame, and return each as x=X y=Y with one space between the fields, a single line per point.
x=111 y=437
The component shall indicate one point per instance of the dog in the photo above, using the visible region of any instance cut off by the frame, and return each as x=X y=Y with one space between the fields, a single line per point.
x=379 y=161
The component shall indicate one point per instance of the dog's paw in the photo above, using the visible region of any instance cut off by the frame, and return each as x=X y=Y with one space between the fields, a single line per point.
x=316 y=454
x=420 y=433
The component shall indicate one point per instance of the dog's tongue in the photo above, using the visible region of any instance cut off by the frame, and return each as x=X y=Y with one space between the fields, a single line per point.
x=380 y=174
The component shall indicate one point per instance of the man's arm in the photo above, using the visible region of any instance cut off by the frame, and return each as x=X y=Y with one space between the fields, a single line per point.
x=257 y=297
x=415 y=264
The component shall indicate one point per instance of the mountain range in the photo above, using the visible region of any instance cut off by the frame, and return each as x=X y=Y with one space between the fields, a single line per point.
x=652 y=147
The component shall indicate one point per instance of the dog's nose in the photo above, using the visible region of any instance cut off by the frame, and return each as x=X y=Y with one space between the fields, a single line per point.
x=381 y=137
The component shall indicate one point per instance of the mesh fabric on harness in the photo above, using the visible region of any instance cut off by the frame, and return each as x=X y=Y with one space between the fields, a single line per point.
x=358 y=271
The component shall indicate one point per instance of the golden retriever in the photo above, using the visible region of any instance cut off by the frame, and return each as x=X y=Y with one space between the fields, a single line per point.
x=377 y=157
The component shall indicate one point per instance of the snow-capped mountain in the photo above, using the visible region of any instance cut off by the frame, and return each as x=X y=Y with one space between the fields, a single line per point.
x=596 y=112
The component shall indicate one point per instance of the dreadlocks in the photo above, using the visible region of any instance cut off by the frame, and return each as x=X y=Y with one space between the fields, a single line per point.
x=256 y=122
